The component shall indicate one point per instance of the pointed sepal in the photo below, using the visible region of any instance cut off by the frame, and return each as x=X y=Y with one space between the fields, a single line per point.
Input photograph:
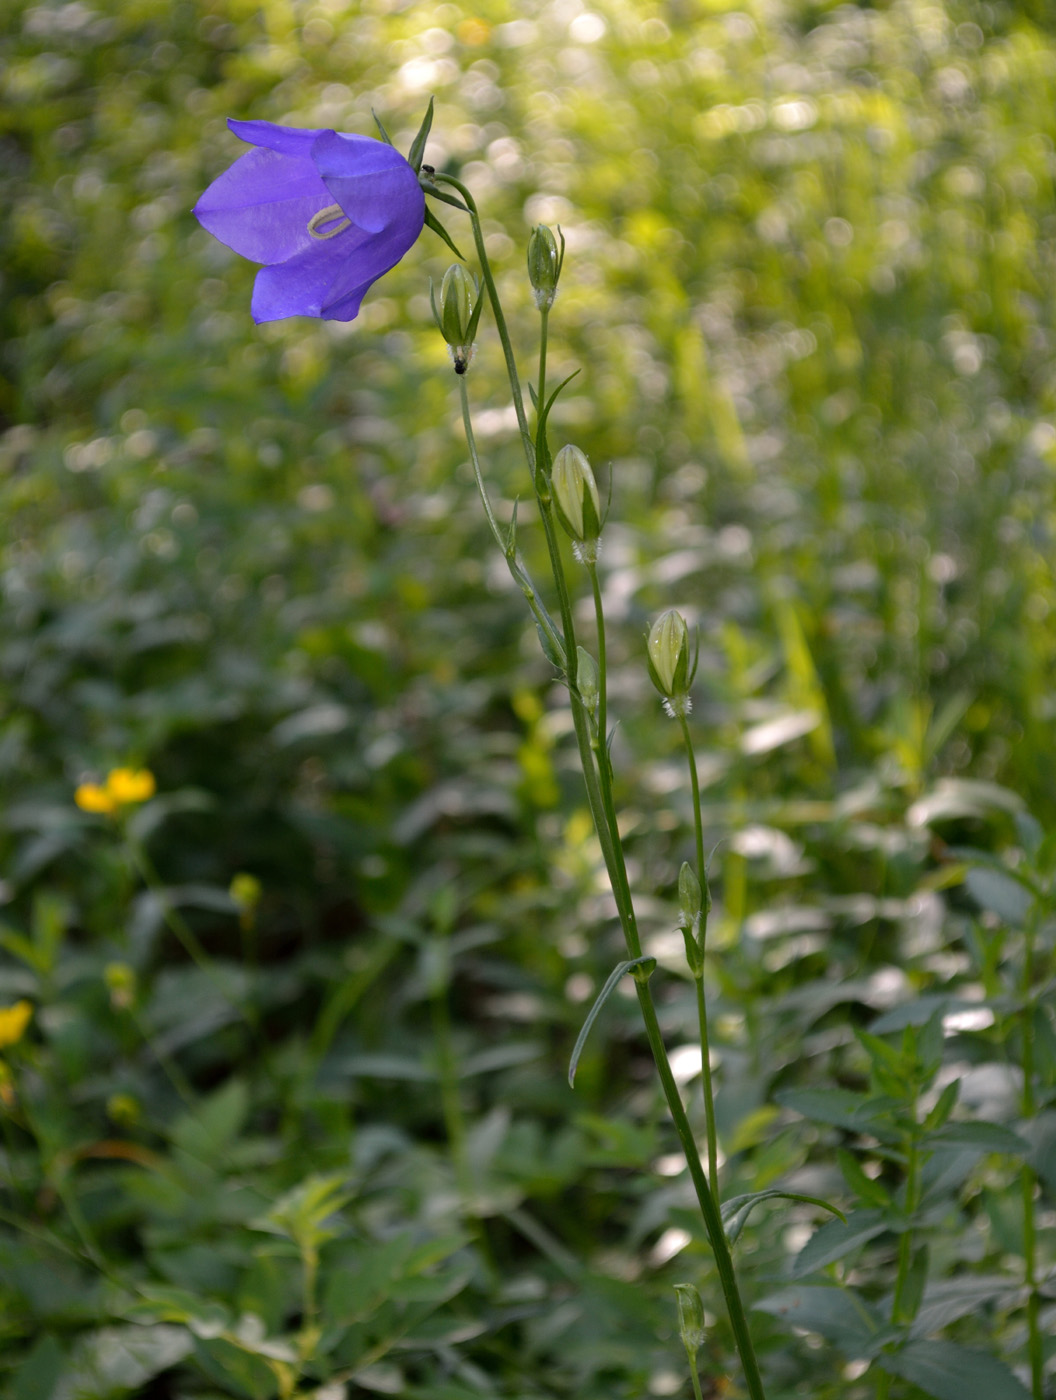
x=381 y=128
x=431 y=221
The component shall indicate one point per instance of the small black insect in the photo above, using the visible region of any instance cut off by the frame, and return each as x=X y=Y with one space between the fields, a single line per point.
x=429 y=169
x=461 y=365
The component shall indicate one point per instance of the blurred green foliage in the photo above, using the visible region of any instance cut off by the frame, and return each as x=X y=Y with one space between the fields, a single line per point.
x=810 y=284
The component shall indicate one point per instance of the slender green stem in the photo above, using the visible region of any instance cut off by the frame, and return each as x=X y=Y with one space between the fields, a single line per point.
x=185 y=936
x=56 y=1167
x=698 y=821
x=80 y=1224
x=345 y=996
x=310 y=1260
x=246 y=1007
x=702 y=1005
x=471 y=442
x=497 y=312
x=544 y=323
x=708 y=1209
x=899 y=1313
x=599 y=797
x=603 y=719
x=169 y=1067
x=709 y=1094
x=694 y=1376
x=450 y=1099
x=174 y=920
x=1035 y=1345
x=447 y=1069
x=513 y=559
x=905 y=1244
x=599 y=781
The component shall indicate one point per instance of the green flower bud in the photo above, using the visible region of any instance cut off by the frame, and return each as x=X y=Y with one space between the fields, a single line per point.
x=690 y=898
x=123 y=1110
x=458 y=295
x=587 y=679
x=120 y=981
x=245 y=890
x=690 y=1319
x=544 y=265
x=576 y=497
x=668 y=653
x=694 y=906
x=458 y=314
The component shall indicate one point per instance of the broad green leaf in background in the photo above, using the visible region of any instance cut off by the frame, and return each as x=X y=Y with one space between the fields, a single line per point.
x=951 y=1372
x=116 y=1361
x=840 y=1315
x=838 y=1238
x=863 y=1113
x=1000 y=894
x=948 y=1299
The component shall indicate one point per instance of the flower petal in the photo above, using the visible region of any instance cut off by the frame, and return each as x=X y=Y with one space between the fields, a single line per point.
x=329 y=279
x=301 y=285
x=289 y=140
x=262 y=205
x=374 y=185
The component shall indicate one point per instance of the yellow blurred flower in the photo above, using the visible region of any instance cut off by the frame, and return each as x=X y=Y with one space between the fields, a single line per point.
x=123 y=787
x=13 y=1022
x=474 y=31
x=127 y=785
x=90 y=797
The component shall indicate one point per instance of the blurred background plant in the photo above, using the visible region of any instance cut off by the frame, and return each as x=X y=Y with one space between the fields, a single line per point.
x=810 y=281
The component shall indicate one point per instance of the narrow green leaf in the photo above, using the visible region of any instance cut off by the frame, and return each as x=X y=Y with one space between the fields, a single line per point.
x=943 y=1107
x=599 y=1001
x=553 y=397
x=435 y=308
x=20 y=947
x=864 y=1186
x=417 y=151
x=543 y=455
x=736 y=1210
x=915 y=1013
x=377 y=122
x=879 y=1052
x=431 y=221
x=549 y=650
x=442 y=195
x=991 y=1137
